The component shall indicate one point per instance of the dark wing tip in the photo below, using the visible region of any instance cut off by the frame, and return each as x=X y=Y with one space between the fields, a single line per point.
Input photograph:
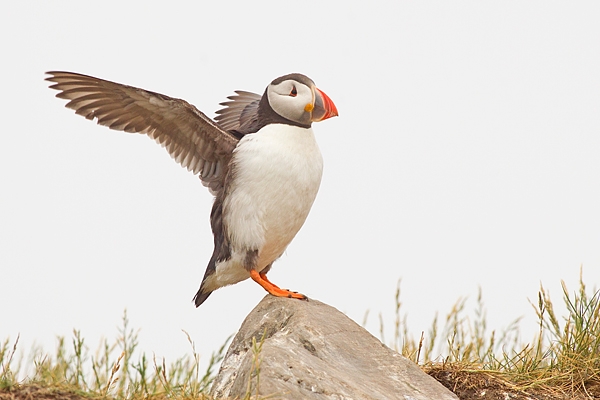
x=63 y=74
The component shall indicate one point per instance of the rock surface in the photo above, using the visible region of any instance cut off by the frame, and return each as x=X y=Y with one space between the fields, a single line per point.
x=312 y=351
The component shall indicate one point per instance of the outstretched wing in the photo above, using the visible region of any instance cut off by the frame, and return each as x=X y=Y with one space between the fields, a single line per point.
x=240 y=112
x=190 y=137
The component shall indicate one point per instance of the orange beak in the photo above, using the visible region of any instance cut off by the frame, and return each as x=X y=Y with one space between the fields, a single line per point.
x=324 y=107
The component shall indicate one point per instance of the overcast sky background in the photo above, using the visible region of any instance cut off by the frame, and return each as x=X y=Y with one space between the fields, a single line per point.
x=466 y=155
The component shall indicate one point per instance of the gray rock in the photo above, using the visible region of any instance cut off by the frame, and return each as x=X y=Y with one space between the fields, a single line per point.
x=312 y=351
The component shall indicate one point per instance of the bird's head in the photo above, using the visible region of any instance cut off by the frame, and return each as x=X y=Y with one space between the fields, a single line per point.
x=296 y=98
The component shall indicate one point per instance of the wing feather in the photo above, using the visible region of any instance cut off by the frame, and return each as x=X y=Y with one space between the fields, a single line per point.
x=241 y=110
x=189 y=136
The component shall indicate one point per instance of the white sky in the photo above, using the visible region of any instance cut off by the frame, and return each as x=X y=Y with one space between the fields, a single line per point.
x=466 y=154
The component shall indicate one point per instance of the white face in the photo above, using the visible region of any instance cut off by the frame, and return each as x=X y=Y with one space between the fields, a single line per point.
x=292 y=100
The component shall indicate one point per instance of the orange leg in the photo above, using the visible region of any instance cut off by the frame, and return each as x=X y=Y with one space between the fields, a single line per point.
x=262 y=280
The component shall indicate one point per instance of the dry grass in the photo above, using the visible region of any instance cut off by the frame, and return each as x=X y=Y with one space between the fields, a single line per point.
x=561 y=362
x=111 y=372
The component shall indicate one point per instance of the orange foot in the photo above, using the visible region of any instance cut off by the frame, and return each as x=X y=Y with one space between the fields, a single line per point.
x=262 y=280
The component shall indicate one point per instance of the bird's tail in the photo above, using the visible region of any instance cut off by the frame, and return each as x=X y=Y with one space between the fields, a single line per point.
x=200 y=297
x=221 y=251
x=203 y=293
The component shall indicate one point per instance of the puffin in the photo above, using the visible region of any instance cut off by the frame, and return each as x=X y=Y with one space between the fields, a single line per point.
x=258 y=158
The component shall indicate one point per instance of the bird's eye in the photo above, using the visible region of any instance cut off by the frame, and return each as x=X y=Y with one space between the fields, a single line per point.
x=294 y=92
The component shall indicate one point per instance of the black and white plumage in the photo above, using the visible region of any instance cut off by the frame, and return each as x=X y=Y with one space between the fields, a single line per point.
x=259 y=158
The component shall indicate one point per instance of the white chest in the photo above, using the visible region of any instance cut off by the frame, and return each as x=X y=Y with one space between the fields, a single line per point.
x=277 y=176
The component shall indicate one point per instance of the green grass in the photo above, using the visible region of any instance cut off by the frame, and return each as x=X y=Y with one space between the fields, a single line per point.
x=111 y=371
x=564 y=355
